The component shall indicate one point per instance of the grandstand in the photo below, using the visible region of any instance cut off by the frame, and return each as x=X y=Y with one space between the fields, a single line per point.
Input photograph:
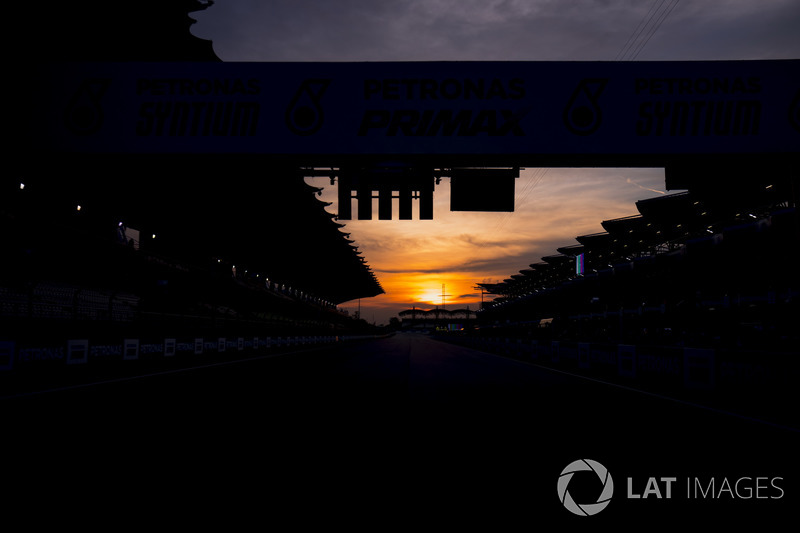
x=113 y=246
x=696 y=292
x=268 y=252
x=437 y=319
x=684 y=260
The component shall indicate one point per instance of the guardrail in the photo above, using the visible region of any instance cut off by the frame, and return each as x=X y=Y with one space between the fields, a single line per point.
x=748 y=380
x=32 y=355
x=85 y=351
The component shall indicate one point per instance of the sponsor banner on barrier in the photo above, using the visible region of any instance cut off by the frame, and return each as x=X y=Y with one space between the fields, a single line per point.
x=130 y=349
x=698 y=368
x=6 y=355
x=584 y=354
x=626 y=360
x=665 y=364
x=77 y=352
x=85 y=351
x=604 y=356
x=37 y=355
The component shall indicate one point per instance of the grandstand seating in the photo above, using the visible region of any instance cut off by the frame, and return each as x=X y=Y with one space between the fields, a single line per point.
x=63 y=263
x=65 y=272
x=689 y=268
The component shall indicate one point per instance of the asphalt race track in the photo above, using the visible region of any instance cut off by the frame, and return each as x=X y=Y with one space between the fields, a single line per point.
x=403 y=431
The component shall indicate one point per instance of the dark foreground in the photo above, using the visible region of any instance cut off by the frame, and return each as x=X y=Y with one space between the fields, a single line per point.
x=398 y=432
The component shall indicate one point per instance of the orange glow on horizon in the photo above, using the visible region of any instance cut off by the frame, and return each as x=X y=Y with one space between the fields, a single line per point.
x=413 y=258
x=426 y=291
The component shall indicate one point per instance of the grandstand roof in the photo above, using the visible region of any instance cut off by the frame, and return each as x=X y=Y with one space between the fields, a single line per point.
x=663 y=222
x=237 y=208
x=99 y=30
x=669 y=208
x=595 y=240
x=573 y=250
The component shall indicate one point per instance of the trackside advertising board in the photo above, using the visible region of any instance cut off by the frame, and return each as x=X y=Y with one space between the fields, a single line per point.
x=448 y=108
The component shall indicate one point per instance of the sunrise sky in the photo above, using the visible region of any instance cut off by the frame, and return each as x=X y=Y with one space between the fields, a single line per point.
x=412 y=259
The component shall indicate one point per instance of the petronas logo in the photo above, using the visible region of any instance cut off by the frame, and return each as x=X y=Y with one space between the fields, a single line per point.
x=583 y=115
x=305 y=115
x=84 y=114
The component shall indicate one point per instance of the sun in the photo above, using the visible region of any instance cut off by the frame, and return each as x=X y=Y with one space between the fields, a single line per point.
x=431 y=294
x=431 y=297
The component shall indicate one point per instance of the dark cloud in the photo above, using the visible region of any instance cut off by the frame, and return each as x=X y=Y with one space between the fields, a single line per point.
x=424 y=30
x=733 y=29
x=530 y=253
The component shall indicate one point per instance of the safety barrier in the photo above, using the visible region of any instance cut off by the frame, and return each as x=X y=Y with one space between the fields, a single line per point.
x=76 y=352
x=365 y=337
x=659 y=367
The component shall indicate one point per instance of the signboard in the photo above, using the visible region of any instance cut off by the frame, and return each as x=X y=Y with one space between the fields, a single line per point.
x=526 y=109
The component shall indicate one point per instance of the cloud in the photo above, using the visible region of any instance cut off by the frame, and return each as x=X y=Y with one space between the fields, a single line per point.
x=471 y=296
x=645 y=188
x=425 y=30
x=733 y=29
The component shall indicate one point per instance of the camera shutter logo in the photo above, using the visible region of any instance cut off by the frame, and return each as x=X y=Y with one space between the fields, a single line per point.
x=585 y=509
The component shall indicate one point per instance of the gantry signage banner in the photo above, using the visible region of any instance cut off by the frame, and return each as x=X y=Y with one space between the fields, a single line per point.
x=456 y=108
